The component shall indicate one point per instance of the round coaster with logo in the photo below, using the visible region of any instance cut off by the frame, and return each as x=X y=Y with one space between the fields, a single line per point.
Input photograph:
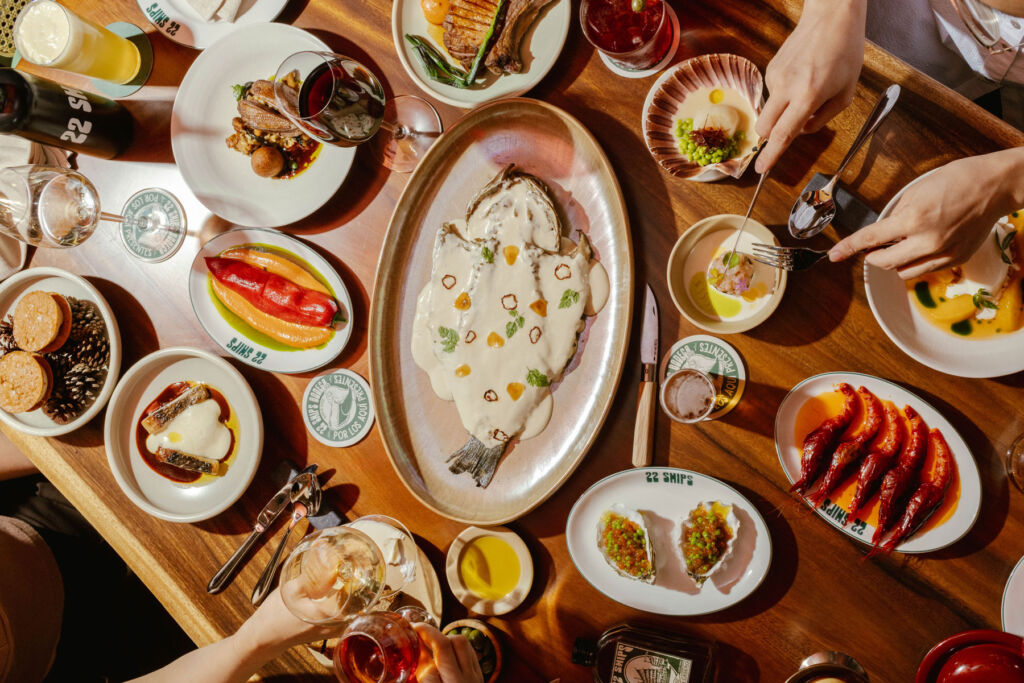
x=154 y=225
x=337 y=408
x=718 y=359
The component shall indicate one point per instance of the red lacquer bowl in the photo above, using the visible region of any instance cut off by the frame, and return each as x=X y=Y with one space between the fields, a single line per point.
x=974 y=657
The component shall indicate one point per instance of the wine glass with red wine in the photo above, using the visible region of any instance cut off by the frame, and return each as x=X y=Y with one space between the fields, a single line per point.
x=340 y=102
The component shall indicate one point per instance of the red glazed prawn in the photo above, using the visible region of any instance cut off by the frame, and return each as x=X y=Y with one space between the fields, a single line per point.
x=903 y=477
x=820 y=441
x=850 y=451
x=881 y=456
x=926 y=499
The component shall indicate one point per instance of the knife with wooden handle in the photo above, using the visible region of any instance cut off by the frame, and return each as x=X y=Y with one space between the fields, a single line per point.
x=643 y=434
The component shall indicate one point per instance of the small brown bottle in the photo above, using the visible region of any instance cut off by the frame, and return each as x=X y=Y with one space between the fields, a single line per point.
x=634 y=654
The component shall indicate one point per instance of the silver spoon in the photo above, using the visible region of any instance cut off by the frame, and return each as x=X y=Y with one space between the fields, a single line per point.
x=306 y=499
x=815 y=209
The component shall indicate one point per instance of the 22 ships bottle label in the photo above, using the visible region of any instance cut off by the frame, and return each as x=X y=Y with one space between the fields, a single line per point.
x=640 y=665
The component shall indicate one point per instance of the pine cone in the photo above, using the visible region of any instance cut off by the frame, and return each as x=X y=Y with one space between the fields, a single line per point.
x=7 y=342
x=82 y=383
x=60 y=408
x=86 y=320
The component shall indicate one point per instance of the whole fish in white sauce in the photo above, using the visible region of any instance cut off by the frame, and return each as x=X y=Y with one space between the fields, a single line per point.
x=501 y=316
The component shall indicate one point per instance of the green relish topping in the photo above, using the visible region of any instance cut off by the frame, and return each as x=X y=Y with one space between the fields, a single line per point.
x=705 y=541
x=625 y=543
x=706 y=145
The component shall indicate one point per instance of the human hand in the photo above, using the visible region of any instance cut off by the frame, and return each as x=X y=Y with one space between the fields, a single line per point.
x=274 y=628
x=444 y=659
x=943 y=219
x=813 y=75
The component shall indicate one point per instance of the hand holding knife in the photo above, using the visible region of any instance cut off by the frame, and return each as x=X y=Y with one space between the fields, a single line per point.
x=643 y=434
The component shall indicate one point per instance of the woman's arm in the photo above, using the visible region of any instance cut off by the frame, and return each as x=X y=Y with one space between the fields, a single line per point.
x=942 y=220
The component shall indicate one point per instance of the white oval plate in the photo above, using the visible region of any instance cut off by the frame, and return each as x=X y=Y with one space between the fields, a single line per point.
x=56 y=280
x=789 y=450
x=178 y=21
x=157 y=495
x=1013 y=601
x=244 y=348
x=221 y=178
x=539 y=48
x=667 y=495
x=924 y=342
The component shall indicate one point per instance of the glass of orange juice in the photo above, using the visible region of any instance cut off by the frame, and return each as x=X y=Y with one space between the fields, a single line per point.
x=49 y=34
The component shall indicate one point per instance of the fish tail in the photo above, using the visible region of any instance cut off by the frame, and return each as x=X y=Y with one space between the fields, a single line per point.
x=477 y=459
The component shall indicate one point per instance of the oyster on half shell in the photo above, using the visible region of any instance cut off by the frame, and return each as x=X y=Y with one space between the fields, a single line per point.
x=707 y=539
x=625 y=543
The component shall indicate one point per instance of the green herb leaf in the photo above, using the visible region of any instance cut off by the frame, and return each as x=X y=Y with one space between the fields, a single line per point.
x=983 y=299
x=239 y=91
x=730 y=260
x=487 y=254
x=536 y=378
x=569 y=298
x=449 y=338
x=1004 y=246
x=516 y=323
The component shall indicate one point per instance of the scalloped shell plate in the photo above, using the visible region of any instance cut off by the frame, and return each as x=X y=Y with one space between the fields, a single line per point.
x=637 y=518
x=731 y=521
x=668 y=93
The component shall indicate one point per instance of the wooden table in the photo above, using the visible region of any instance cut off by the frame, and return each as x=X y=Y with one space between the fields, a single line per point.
x=818 y=594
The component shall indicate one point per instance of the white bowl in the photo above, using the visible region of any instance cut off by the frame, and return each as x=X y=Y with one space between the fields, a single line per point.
x=50 y=279
x=899 y=318
x=471 y=600
x=161 y=497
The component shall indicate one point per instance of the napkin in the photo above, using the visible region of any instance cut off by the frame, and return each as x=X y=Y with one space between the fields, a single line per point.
x=229 y=10
x=17 y=151
x=205 y=8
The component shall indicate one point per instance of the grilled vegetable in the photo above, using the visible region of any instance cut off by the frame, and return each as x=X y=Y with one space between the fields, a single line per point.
x=273 y=294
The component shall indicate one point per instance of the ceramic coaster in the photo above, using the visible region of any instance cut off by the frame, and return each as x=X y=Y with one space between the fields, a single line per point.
x=337 y=408
x=644 y=73
x=159 y=206
x=138 y=38
x=715 y=357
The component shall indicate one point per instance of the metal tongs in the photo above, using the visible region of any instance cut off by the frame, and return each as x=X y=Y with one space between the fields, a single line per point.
x=268 y=515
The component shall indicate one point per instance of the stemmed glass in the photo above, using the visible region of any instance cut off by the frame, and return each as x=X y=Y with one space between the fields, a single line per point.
x=1015 y=462
x=342 y=103
x=54 y=207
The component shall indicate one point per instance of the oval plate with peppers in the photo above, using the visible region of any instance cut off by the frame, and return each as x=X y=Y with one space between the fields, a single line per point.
x=270 y=301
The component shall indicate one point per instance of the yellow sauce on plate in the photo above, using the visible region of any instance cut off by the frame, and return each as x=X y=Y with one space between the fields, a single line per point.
x=489 y=567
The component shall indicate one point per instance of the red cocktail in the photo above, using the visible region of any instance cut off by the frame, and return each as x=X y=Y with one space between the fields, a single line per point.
x=634 y=35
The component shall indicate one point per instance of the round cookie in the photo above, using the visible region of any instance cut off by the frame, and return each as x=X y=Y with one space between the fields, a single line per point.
x=42 y=322
x=25 y=381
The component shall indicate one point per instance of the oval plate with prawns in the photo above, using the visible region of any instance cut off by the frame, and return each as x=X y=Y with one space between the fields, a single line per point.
x=877 y=462
x=270 y=301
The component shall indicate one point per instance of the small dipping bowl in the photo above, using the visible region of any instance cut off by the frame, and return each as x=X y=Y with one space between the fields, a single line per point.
x=679 y=288
x=688 y=395
x=469 y=549
x=829 y=666
x=973 y=656
x=488 y=634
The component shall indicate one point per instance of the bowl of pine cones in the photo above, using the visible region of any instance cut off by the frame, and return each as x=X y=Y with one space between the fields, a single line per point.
x=60 y=351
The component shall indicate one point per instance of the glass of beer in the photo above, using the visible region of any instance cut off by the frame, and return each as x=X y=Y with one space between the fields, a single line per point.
x=48 y=34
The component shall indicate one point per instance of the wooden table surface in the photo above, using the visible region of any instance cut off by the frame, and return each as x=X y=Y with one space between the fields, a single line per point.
x=819 y=594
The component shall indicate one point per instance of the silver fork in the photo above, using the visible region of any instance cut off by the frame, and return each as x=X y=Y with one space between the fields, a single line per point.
x=787 y=258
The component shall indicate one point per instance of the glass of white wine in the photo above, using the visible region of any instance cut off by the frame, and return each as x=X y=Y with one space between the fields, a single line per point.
x=46 y=206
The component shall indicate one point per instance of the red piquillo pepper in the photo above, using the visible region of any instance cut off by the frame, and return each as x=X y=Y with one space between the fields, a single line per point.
x=273 y=294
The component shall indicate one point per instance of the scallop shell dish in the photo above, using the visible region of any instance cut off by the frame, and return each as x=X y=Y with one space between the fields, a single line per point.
x=707 y=539
x=625 y=543
x=699 y=117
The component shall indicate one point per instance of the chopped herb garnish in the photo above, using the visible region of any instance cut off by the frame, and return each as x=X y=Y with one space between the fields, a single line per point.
x=536 y=378
x=239 y=90
x=487 y=254
x=983 y=299
x=449 y=338
x=516 y=323
x=570 y=297
x=730 y=260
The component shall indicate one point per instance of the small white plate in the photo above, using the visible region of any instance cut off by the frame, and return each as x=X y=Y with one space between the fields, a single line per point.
x=667 y=495
x=157 y=495
x=237 y=338
x=899 y=318
x=790 y=448
x=539 y=48
x=56 y=280
x=471 y=600
x=178 y=21
x=1013 y=601
x=221 y=178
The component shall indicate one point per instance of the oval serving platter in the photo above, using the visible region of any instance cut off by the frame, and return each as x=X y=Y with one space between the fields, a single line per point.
x=896 y=314
x=420 y=430
x=955 y=521
x=233 y=335
x=666 y=495
x=539 y=49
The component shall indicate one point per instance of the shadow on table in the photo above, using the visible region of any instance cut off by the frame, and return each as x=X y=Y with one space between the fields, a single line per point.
x=756 y=409
x=363 y=183
x=995 y=494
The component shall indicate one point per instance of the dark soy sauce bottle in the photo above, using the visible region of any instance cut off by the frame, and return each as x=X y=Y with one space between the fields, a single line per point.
x=634 y=654
x=53 y=114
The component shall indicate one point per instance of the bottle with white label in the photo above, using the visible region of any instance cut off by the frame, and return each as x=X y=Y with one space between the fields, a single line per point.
x=633 y=654
x=53 y=114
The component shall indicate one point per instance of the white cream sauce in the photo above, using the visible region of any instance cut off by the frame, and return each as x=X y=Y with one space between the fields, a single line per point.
x=721 y=107
x=499 y=320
